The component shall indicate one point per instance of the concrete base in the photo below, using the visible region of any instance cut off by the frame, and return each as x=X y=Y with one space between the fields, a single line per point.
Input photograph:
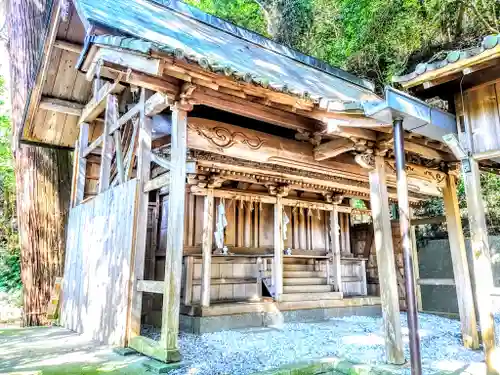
x=206 y=324
x=157 y=367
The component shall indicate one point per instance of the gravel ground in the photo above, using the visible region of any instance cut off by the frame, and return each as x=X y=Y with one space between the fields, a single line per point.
x=354 y=338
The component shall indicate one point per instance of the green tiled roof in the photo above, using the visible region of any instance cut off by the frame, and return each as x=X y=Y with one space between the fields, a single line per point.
x=450 y=57
x=218 y=46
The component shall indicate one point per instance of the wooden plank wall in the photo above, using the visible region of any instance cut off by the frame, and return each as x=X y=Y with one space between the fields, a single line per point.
x=360 y=234
x=479 y=108
x=97 y=267
x=250 y=225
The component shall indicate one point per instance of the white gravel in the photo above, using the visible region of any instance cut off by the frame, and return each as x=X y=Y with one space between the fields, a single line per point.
x=355 y=338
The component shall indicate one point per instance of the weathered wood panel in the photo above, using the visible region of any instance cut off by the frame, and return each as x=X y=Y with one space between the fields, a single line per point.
x=249 y=224
x=481 y=113
x=98 y=260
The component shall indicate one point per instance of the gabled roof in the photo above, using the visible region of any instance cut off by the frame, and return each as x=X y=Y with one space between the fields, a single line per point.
x=450 y=62
x=184 y=31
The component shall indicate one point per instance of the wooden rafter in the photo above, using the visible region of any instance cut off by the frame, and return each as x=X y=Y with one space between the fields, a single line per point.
x=333 y=148
x=98 y=103
x=62 y=106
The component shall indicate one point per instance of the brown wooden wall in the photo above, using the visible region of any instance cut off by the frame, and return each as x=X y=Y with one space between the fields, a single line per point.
x=479 y=107
x=251 y=225
x=362 y=233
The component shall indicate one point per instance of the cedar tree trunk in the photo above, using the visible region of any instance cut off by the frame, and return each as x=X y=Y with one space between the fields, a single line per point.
x=43 y=175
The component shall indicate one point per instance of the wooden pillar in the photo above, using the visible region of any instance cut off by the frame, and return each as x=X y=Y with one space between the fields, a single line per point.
x=483 y=275
x=206 y=247
x=416 y=270
x=335 y=246
x=460 y=266
x=143 y=174
x=79 y=166
x=386 y=265
x=111 y=119
x=278 y=249
x=175 y=236
x=347 y=228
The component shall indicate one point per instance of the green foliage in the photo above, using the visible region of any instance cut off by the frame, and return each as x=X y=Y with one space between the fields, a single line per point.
x=244 y=13
x=372 y=38
x=10 y=269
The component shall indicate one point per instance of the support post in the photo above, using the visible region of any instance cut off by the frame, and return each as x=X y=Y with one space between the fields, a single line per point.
x=111 y=120
x=404 y=225
x=278 y=249
x=143 y=174
x=335 y=246
x=119 y=156
x=483 y=275
x=208 y=229
x=80 y=166
x=416 y=270
x=460 y=266
x=386 y=264
x=175 y=236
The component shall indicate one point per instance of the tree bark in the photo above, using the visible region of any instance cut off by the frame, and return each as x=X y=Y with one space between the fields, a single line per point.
x=43 y=175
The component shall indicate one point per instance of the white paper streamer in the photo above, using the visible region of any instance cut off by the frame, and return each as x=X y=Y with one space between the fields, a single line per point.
x=220 y=225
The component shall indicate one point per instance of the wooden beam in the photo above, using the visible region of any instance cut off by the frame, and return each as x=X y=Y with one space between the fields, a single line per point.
x=61 y=106
x=157 y=103
x=162 y=162
x=341 y=128
x=162 y=141
x=386 y=263
x=68 y=46
x=141 y=219
x=98 y=103
x=335 y=246
x=235 y=195
x=262 y=147
x=157 y=183
x=175 y=235
x=150 y=286
x=137 y=78
x=460 y=266
x=428 y=220
x=140 y=63
x=415 y=145
x=206 y=246
x=429 y=281
x=278 y=249
x=333 y=148
x=481 y=260
x=242 y=107
x=80 y=166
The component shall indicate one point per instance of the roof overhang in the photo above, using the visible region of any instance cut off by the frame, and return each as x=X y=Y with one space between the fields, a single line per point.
x=418 y=116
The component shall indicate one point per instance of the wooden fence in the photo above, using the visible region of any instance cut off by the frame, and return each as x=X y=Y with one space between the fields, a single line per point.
x=98 y=265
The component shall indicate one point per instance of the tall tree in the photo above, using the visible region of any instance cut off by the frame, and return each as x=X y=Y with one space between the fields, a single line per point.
x=43 y=175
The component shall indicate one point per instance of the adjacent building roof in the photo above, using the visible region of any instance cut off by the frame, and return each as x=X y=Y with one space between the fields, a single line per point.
x=214 y=44
x=449 y=62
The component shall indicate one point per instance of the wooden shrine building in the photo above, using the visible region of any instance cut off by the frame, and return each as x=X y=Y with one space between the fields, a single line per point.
x=467 y=83
x=218 y=174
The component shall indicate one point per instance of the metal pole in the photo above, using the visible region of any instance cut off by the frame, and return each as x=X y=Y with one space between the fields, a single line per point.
x=404 y=225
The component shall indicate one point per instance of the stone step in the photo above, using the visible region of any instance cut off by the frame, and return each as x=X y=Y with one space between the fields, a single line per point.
x=306 y=288
x=296 y=274
x=298 y=267
x=304 y=281
x=293 y=297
